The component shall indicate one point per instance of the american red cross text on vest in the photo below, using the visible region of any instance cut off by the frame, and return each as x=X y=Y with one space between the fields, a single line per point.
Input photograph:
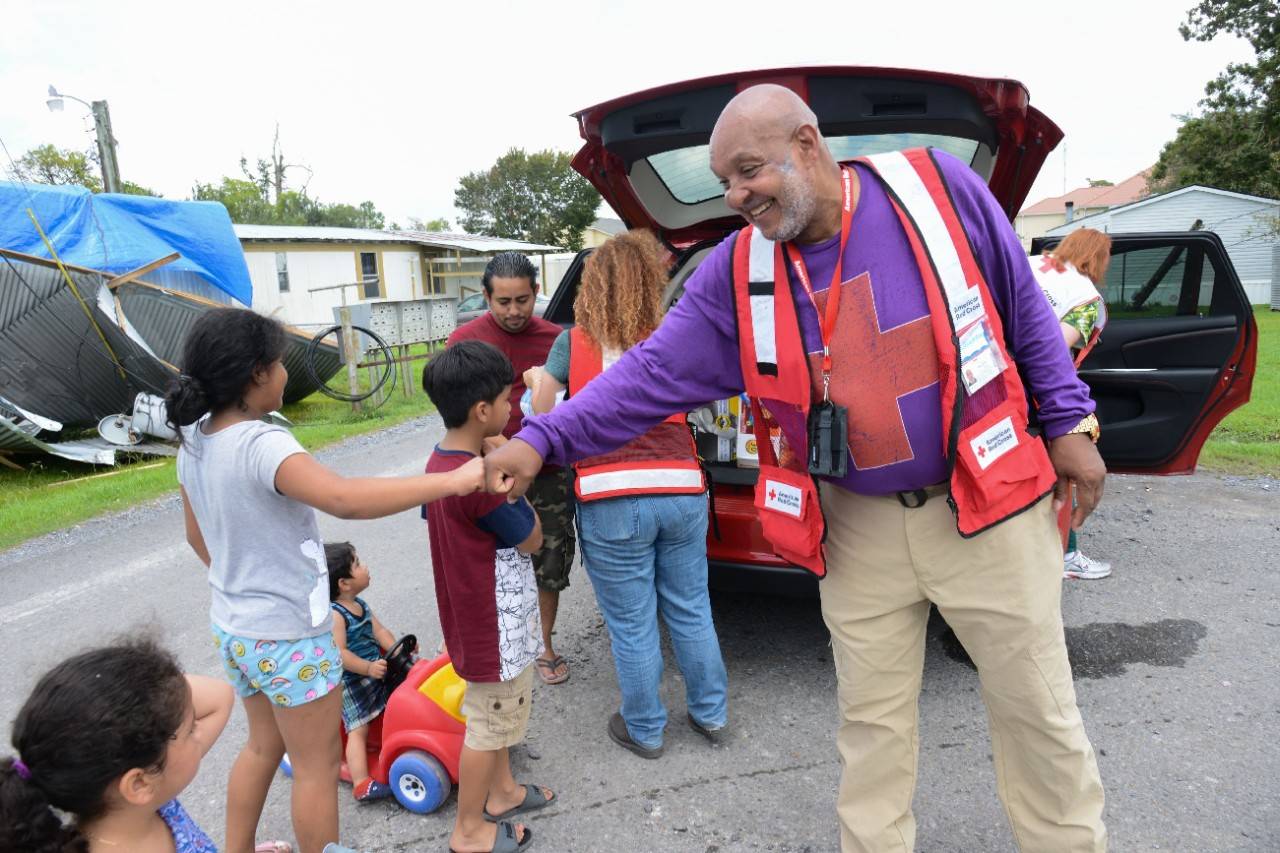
x=871 y=370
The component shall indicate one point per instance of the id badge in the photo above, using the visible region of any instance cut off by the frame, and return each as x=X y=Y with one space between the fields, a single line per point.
x=980 y=359
x=829 y=440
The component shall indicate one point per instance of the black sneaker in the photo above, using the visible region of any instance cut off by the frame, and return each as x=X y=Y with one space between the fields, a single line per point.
x=618 y=734
x=716 y=736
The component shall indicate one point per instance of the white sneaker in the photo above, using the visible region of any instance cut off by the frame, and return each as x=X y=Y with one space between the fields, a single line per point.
x=1076 y=565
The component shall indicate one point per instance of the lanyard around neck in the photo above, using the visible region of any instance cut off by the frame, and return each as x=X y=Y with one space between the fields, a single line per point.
x=827 y=324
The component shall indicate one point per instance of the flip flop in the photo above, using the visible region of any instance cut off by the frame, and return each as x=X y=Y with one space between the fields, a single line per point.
x=273 y=847
x=534 y=799
x=505 y=841
x=547 y=669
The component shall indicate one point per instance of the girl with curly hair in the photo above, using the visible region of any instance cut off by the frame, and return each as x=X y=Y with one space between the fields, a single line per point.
x=642 y=510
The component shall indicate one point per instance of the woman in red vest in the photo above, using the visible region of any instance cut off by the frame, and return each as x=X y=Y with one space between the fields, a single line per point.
x=642 y=510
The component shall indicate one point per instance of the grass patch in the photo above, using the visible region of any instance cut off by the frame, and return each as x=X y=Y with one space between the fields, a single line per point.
x=33 y=503
x=1248 y=440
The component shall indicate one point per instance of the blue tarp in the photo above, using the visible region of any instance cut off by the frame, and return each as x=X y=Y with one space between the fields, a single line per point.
x=117 y=233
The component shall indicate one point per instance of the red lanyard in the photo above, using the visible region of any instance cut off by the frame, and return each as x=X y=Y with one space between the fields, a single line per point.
x=827 y=326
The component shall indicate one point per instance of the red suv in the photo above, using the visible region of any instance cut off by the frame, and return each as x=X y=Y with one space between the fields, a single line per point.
x=1180 y=348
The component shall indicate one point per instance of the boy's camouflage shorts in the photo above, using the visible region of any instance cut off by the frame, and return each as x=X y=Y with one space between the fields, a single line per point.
x=552 y=497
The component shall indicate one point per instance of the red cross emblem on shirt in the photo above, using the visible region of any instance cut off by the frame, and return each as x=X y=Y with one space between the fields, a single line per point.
x=773 y=494
x=871 y=370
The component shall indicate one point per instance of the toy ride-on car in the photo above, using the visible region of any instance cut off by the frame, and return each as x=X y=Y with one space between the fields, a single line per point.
x=415 y=743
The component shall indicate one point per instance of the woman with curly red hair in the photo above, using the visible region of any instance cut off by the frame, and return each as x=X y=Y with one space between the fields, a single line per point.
x=642 y=510
x=1072 y=277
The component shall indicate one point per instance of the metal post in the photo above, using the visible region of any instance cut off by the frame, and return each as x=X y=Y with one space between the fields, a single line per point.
x=407 y=367
x=350 y=353
x=106 y=147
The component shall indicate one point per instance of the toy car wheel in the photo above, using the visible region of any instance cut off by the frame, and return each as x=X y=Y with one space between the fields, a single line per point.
x=420 y=783
x=286 y=766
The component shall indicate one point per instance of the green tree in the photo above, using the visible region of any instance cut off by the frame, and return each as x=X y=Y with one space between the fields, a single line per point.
x=1246 y=85
x=1234 y=144
x=244 y=200
x=439 y=224
x=48 y=164
x=262 y=196
x=536 y=197
x=366 y=215
x=130 y=188
x=1223 y=148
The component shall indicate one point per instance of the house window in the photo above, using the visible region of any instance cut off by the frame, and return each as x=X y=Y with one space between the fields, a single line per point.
x=282 y=271
x=369 y=274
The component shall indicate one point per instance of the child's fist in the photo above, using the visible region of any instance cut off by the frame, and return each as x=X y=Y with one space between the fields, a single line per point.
x=470 y=477
x=378 y=669
x=532 y=377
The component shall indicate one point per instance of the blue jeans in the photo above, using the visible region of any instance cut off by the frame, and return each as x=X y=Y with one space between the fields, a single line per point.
x=647 y=555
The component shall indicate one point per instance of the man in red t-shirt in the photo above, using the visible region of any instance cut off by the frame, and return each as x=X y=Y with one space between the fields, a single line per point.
x=510 y=289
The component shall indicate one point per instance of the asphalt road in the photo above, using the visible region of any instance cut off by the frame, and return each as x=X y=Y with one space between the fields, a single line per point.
x=1176 y=658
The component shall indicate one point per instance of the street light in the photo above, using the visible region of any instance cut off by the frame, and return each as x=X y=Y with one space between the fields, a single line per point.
x=102 y=126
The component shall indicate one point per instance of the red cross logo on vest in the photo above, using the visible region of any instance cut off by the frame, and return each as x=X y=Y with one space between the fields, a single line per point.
x=872 y=369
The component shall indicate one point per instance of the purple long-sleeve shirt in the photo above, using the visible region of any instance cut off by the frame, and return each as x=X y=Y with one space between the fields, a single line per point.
x=885 y=368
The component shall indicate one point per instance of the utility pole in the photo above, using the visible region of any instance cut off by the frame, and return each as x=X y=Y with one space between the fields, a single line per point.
x=106 y=147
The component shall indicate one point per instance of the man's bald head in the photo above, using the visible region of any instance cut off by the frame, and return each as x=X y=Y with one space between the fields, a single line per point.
x=767 y=111
x=774 y=165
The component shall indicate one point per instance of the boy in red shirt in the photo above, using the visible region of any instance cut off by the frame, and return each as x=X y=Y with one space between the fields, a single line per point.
x=488 y=599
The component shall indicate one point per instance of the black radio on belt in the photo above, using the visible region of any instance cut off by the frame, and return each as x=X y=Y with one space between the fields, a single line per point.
x=828 y=440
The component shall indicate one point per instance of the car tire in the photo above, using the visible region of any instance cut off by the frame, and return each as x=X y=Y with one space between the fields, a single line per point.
x=419 y=781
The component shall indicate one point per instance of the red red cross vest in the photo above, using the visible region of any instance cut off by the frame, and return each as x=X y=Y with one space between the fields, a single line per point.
x=663 y=461
x=997 y=468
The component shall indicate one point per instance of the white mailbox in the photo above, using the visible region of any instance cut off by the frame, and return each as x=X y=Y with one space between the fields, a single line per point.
x=428 y=320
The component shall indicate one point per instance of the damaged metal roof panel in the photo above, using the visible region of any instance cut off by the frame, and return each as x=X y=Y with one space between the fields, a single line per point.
x=163 y=318
x=96 y=451
x=15 y=438
x=53 y=360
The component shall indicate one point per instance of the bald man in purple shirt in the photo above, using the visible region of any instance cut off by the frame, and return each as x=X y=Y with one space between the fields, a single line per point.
x=886 y=561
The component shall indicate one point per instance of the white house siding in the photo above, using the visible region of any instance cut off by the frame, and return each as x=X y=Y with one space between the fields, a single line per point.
x=401 y=269
x=402 y=274
x=1240 y=221
x=307 y=269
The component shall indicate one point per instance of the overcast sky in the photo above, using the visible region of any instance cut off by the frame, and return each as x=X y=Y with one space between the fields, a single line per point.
x=393 y=102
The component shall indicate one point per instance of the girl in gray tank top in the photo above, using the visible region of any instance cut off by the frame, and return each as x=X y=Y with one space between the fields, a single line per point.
x=249 y=493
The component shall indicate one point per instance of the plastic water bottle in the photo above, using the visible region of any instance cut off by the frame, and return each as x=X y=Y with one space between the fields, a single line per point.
x=526 y=401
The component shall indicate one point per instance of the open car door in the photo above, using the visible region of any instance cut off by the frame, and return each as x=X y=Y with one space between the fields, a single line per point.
x=1178 y=352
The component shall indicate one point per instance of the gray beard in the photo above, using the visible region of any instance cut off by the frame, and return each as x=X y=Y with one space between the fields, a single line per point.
x=797 y=202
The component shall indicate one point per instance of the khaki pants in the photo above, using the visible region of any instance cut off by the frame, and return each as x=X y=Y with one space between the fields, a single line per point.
x=1000 y=592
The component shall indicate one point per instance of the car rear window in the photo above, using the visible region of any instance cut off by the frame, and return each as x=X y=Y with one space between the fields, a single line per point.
x=686 y=172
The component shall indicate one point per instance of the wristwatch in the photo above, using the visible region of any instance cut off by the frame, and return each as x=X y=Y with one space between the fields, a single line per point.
x=1089 y=426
